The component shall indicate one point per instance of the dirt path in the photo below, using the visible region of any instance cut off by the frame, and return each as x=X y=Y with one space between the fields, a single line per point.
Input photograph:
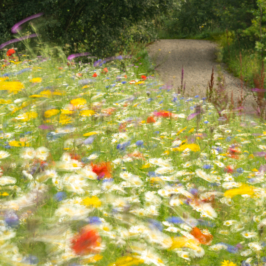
x=197 y=57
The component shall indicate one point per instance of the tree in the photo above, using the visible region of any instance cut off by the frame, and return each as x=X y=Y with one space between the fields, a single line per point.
x=99 y=24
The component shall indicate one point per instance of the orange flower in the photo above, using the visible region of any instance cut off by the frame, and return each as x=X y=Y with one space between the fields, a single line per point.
x=86 y=241
x=125 y=76
x=122 y=127
x=105 y=70
x=204 y=239
x=108 y=111
x=151 y=119
x=94 y=75
x=136 y=155
x=103 y=170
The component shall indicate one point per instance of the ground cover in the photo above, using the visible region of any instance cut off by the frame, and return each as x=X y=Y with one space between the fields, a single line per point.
x=101 y=166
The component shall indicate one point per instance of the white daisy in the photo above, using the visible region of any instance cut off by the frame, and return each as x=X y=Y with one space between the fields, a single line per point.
x=4 y=154
x=28 y=153
x=7 y=180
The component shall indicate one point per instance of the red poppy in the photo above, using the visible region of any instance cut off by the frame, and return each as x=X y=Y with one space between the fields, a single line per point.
x=204 y=239
x=75 y=156
x=229 y=169
x=86 y=241
x=10 y=52
x=143 y=77
x=122 y=127
x=151 y=119
x=94 y=75
x=163 y=114
x=102 y=170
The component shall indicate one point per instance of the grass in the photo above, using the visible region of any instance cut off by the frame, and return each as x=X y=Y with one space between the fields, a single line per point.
x=122 y=160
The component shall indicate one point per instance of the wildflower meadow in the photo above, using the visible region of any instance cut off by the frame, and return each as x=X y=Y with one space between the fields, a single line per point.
x=101 y=166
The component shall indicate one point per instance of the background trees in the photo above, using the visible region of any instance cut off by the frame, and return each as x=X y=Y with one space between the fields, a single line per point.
x=101 y=25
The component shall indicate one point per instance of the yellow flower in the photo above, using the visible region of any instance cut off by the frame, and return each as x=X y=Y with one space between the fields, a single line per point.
x=36 y=80
x=51 y=112
x=5 y=194
x=93 y=201
x=92 y=259
x=90 y=133
x=27 y=116
x=191 y=130
x=78 y=102
x=86 y=86
x=127 y=261
x=228 y=263
x=64 y=119
x=66 y=112
x=181 y=130
x=3 y=79
x=243 y=190
x=2 y=101
x=193 y=147
x=46 y=93
x=145 y=166
x=15 y=143
x=11 y=86
x=87 y=113
x=183 y=242
x=36 y=96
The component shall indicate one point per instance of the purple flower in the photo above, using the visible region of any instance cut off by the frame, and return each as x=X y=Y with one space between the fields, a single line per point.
x=46 y=127
x=16 y=27
x=77 y=55
x=11 y=219
x=17 y=40
x=89 y=140
x=192 y=115
x=260 y=154
x=100 y=61
x=258 y=90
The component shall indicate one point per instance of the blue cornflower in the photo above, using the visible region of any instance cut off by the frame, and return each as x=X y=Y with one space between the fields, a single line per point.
x=140 y=143
x=59 y=196
x=175 y=220
x=30 y=260
x=240 y=170
x=155 y=224
x=94 y=220
x=207 y=166
x=206 y=122
x=194 y=191
x=229 y=138
x=124 y=82
x=204 y=98
x=123 y=146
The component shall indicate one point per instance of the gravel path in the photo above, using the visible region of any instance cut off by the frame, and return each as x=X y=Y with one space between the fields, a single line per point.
x=197 y=57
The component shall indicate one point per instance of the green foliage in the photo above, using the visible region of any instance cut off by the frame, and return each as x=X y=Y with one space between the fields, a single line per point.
x=101 y=26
